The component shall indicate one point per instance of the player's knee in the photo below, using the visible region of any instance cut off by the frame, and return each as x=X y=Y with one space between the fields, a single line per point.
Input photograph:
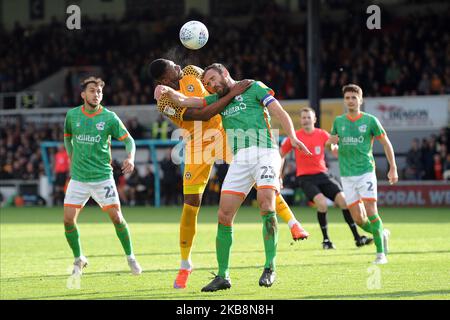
x=117 y=218
x=225 y=216
x=359 y=219
x=69 y=216
x=267 y=206
x=193 y=199
x=69 y=221
x=322 y=205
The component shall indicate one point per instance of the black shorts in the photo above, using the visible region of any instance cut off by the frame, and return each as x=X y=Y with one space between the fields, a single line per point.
x=61 y=179
x=323 y=183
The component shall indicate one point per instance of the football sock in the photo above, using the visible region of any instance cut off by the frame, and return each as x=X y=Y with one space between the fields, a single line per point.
x=270 y=236
x=367 y=227
x=73 y=238
x=377 y=231
x=348 y=218
x=322 y=217
x=123 y=233
x=188 y=228
x=283 y=210
x=224 y=241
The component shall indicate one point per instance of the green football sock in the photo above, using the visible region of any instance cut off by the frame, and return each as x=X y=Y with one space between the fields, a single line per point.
x=270 y=236
x=377 y=231
x=366 y=227
x=123 y=233
x=73 y=238
x=224 y=241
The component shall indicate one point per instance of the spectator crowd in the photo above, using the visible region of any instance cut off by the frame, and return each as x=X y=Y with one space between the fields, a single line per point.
x=408 y=56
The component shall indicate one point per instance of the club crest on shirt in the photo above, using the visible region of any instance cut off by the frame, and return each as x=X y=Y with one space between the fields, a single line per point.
x=78 y=124
x=362 y=128
x=190 y=88
x=239 y=98
x=169 y=111
x=188 y=175
x=100 y=125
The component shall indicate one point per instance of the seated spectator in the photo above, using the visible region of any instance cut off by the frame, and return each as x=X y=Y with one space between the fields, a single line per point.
x=414 y=168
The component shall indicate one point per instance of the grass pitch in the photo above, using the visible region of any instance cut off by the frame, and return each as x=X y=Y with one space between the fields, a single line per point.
x=35 y=259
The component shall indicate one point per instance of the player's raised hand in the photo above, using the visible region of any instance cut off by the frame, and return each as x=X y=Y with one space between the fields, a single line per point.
x=240 y=87
x=300 y=146
x=392 y=175
x=159 y=91
x=334 y=139
x=127 y=166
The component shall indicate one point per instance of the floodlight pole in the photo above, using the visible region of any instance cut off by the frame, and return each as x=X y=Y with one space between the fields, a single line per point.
x=313 y=21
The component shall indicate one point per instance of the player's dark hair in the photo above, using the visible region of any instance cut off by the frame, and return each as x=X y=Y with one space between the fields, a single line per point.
x=98 y=81
x=220 y=68
x=352 y=88
x=157 y=68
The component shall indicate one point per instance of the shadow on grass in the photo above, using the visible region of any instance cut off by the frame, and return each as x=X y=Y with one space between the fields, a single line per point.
x=398 y=294
x=145 y=295
x=125 y=273
x=393 y=253
x=261 y=251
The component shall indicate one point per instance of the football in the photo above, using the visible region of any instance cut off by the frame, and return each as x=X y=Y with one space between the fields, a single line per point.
x=194 y=35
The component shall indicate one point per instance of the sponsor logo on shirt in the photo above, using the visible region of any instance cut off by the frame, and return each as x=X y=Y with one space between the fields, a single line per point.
x=100 y=125
x=87 y=139
x=353 y=140
x=234 y=109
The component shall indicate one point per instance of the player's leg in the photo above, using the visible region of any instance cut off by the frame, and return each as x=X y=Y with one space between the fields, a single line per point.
x=76 y=197
x=106 y=195
x=353 y=201
x=266 y=203
x=368 y=192
x=71 y=229
x=195 y=179
x=283 y=210
x=230 y=202
x=124 y=235
x=359 y=240
x=266 y=174
x=322 y=209
x=238 y=182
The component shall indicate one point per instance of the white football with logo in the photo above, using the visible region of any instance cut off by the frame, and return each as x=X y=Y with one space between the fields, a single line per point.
x=194 y=35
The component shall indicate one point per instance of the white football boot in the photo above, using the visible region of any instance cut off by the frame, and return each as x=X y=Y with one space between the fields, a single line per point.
x=134 y=266
x=79 y=264
x=381 y=259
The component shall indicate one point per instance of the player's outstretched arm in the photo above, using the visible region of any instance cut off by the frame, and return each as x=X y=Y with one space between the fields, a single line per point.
x=390 y=155
x=206 y=113
x=177 y=97
x=277 y=110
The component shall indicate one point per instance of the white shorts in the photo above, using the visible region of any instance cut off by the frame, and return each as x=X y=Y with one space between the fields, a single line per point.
x=103 y=192
x=253 y=165
x=363 y=187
